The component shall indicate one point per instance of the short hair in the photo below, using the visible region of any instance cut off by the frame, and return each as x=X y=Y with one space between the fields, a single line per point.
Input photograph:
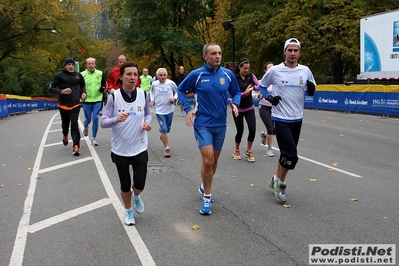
x=205 y=49
x=161 y=68
x=125 y=65
x=267 y=63
x=90 y=58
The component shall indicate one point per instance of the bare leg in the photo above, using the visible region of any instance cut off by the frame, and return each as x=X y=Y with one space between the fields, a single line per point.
x=210 y=159
x=281 y=172
x=249 y=145
x=269 y=139
x=127 y=199
x=165 y=139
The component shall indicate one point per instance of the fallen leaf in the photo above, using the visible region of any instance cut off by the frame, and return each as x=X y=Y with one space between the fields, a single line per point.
x=1 y=186
x=3 y=165
x=19 y=156
x=301 y=139
x=335 y=164
x=252 y=185
x=312 y=179
x=195 y=227
x=181 y=160
x=287 y=206
x=330 y=170
x=354 y=199
x=324 y=120
x=34 y=144
x=233 y=176
x=39 y=177
x=385 y=218
x=29 y=168
x=361 y=119
x=341 y=135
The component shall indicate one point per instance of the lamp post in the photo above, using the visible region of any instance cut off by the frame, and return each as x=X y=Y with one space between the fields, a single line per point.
x=228 y=25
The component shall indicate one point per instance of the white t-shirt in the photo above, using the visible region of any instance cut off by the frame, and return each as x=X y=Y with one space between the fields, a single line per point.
x=290 y=84
x=161 y=93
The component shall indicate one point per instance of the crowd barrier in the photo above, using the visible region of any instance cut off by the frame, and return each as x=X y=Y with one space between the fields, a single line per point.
x=14 y=104
x=370 y=99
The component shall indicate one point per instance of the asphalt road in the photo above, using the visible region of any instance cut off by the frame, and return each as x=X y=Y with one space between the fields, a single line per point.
x=57 y=209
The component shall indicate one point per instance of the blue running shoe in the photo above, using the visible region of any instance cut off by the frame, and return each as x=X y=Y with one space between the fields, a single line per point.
x=138 y=204
x=206 y=206
x=129 y=217
x=202 y=191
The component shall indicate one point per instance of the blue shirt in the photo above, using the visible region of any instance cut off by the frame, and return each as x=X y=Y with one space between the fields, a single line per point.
x=212 y=89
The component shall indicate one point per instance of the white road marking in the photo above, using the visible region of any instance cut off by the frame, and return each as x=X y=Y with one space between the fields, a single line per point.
x=24 y=228
x=326 y=165
x=33 y=228
x=18 y=251
x=138 y=244
x=59 y=166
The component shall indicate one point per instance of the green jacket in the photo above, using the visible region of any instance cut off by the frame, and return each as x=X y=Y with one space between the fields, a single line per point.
x=145 y=83
x=94 y=81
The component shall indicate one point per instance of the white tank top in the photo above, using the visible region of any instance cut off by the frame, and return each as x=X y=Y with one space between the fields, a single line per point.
x=128 y=139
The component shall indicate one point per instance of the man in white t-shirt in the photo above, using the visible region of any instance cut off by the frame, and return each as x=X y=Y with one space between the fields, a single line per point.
x=290 y=82
x=163 y=95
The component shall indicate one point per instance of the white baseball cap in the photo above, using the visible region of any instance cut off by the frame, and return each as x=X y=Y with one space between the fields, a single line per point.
x=292 y=41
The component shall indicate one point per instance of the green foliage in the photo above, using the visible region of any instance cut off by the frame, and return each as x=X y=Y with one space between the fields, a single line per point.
x=19 y=79
x=170 y=33
x=39 y=35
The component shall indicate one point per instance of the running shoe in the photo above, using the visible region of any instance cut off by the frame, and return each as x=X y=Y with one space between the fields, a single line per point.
x=129 y=217
x=269 y=152
x=279 y=192
x=167 y=153
x=202 y=191
x=263 y=138
x=75 y=150
x=271 y=183
x=65 y=140
x=138 y=204
x=86 y=131
x=249 y=156
x=236 y=155
x=183 y=114
x=206 y=208
x=94 y=142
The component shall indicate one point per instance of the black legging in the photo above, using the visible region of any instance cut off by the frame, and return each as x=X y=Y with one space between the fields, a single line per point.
x=71 y=116
x=139 y=176
x=251 y=122
x=265 y=113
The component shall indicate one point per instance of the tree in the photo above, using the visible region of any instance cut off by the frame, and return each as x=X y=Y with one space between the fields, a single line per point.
x=41 y=34
x=170 y=32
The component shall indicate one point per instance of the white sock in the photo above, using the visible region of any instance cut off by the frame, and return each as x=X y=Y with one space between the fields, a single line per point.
x=279 y=181
x=276 y=179
x=207 y=195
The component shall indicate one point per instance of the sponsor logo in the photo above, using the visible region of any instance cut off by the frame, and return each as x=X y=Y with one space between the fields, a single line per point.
x=355 y=102
x=329 y=101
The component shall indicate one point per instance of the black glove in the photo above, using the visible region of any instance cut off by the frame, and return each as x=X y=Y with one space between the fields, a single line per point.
x=274 y=100
x=311 y=87
x=102 y=89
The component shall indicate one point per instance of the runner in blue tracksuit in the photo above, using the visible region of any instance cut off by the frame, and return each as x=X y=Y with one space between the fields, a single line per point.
x=212 y=85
